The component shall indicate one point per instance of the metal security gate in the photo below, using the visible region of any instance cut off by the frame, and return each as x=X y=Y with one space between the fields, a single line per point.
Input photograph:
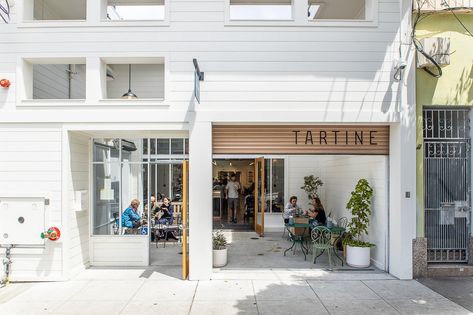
x=447 y=184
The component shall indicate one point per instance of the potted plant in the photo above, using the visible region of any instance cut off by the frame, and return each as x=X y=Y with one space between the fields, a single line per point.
x=219 y=246
x=311 y=186
x=357 y=250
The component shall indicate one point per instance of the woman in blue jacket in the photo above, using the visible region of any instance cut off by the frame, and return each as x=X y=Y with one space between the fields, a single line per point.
x=130 y=217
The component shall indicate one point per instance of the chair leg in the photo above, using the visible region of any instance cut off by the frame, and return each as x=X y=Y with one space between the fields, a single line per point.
x=314 y=255
x=329 y=253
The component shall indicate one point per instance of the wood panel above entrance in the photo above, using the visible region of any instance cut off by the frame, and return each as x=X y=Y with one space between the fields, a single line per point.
x=300 y=139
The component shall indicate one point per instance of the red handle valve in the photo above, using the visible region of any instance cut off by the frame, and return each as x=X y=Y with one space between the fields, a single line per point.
x=5 y=83
x=52 y=234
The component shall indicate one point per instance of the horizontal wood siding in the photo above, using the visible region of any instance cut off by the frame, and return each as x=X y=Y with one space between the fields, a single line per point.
x=30 y=165
x=311 y=139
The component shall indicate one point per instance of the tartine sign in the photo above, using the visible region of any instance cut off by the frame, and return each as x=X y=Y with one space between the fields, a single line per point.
x=301 y=139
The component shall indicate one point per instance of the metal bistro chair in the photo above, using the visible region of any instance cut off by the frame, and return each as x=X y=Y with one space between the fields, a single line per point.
x=322 y=240
x=342 y=222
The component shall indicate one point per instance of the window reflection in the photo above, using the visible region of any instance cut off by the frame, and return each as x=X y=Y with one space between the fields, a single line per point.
x=122 y=171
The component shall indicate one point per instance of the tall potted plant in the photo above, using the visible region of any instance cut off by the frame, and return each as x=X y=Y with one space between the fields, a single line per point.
x=358 y=251
x=311 y=186
x=219 y=246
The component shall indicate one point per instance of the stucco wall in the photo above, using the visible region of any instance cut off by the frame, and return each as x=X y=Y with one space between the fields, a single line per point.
x=453 y=88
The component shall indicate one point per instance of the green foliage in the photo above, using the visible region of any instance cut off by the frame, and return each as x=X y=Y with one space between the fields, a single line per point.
x=360 y=207
x=311 y=186
x=219 y=240
x=356 y=243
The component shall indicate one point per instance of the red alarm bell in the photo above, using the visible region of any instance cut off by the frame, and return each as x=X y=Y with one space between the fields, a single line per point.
x=5 y=83
x=52 y=234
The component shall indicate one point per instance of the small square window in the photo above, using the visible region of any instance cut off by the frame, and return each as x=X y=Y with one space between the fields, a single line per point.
x=163 y=146
x=337 y=10
x=57 y=81
x=63 y=10
x=177 y=146
x=135 y=81
x=133 y=10
x=260 y=10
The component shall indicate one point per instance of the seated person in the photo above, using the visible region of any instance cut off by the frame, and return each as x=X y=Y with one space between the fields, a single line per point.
x=130 y=217
x=291 y=209
x=317 y=215
x=164 y=215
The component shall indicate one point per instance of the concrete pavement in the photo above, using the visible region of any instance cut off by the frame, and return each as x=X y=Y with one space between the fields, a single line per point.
x=243 y=291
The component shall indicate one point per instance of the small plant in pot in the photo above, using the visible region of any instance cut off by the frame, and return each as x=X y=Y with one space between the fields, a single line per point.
x=219 y=246
x=357 y=250
x=311 y=186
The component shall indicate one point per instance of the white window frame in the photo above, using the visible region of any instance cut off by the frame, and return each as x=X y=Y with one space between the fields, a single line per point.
x=96 y=13
x=130 y=59
x=24 y=74
x=299 y=17
x=105 y=22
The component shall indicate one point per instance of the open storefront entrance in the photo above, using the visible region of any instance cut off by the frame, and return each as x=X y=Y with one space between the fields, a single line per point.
x=260 y=191
x=281 y=157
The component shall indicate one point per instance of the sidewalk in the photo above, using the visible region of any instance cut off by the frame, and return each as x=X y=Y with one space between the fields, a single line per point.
x=277 y=291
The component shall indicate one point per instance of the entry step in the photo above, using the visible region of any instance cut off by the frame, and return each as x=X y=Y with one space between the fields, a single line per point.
x=449 y=270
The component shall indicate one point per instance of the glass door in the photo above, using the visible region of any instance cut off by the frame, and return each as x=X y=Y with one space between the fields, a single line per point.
x=259 y=196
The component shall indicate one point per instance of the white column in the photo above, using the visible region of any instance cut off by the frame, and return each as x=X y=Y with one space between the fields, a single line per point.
x=402 y=185
x=95 y=80
x=200 y=201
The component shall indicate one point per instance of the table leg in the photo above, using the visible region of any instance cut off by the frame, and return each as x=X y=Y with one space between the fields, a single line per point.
x=293 y=244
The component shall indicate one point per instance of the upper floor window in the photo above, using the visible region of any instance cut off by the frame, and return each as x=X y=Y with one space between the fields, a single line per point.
x=135 y=10
x=59 y=81
x=54 y=10
x=135 y=81
x=260 y=9
x=53 y=79
x=337 y=10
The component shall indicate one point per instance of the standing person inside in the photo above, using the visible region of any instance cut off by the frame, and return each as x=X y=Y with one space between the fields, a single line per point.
x=233 y=195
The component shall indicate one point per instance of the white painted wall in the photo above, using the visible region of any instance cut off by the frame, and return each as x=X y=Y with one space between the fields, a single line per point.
x=30 y=166
x=340 y=174
x=253 y=74
x=78 y=217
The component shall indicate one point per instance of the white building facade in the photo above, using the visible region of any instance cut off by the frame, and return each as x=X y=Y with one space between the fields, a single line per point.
x=310 y=65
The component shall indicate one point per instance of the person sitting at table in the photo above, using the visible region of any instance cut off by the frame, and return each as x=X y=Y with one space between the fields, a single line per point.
x=291 y=208
x=164 y=215
x=130 y=217
x=317 y=215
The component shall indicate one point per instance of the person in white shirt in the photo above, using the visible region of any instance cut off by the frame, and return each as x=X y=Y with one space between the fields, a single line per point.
x=291 y=208
x=233 y=194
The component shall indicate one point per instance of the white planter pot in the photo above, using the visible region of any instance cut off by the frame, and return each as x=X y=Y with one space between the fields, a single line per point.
x=219 y=257
x=358 y=257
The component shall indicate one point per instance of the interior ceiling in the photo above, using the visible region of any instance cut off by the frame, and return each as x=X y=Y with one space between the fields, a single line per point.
x=235 y=162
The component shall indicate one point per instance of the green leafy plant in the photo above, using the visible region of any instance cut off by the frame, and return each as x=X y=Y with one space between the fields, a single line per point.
x=312 y=184
x=360 y=207
x=219 y=241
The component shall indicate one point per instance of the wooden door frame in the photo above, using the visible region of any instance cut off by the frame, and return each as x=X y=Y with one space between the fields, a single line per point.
x=259 y=205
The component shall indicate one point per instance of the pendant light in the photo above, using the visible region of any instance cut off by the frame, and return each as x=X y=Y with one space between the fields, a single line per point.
x=129 y=95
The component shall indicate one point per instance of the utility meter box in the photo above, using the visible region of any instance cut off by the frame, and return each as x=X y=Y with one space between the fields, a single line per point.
x=436 y=47
x=21 y=220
